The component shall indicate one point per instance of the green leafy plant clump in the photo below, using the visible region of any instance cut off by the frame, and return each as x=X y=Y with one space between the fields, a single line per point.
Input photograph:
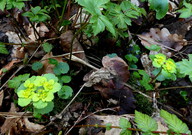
x=148 y=126
x=166 y=68
x=38 y=91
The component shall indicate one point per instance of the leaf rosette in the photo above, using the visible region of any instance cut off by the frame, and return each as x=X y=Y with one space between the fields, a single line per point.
x=38 y=90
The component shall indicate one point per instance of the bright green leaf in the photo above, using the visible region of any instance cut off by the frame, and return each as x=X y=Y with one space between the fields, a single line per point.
x=16 y=81
x=46 y=109
x=145 y=80
x=24 y=101
x=61 y=67
x=3 y=49
x=124 y=124
x=184 y=67
x=108 y=126
x=66 y=79
x=65 y=92
x=37 y=65
x=36 y=9
x=40 y=104
x=160 y=6
x=47 y=47
x=2 y=5
x=53 y=61
x=186 y=11
x=50 y=76
x=175 y=124
x=145 y=122
x=153 y=48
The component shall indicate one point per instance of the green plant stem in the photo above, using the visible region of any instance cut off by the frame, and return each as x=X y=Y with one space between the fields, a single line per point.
x=71 y=49
x=153 y=80
x=63 y=11
x=57 y=12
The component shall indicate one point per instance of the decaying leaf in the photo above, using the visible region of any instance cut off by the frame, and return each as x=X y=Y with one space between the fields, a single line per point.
x=147 y=64
x=47 y=67
x=66 y=40
x=103 y=120
x=168 y=42
x=32 y=127
x=109 y=81
x=161 y=125
x=10 y=124
x=41 y=29
x=9 y=66
x=18 y=124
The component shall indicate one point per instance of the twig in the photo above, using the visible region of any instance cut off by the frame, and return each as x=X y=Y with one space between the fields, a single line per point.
x=106 y=109
x=22 y=66
x=63 y=111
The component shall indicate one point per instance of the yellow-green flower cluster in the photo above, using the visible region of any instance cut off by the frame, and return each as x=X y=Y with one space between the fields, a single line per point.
x=38 y=90
x=168 y=65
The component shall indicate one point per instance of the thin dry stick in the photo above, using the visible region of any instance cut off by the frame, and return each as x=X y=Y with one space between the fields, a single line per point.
x=63 y=111
x=106 y=109
x=62 y=55
x=22 y=66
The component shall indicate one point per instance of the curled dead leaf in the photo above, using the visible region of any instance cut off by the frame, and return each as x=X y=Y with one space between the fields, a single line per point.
x=9 y=66
x=47 y=67
x=110 y=79
x=164 y=39
x=32 y=127
x=65 y=41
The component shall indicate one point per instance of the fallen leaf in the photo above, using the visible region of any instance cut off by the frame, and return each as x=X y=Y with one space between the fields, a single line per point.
x=9 y=66
x=32 y=127
x=47 y=67
x=65 y=41
x=18 y=123
x=147 y=64
x=10 y=125
x=110 y=79
x=168 y=42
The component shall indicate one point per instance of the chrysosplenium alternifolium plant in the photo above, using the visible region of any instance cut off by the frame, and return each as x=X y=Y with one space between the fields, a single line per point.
x=39 y=91
x=167 y=66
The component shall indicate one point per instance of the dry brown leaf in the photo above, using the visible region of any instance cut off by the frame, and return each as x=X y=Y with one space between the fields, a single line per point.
x=147 y=64
x=9 y=65
x=41 y=29
x=10 y=125
x=168 y=42
x=47 y=67
x=18 y=53
x=19 y=123
x=113 y=68
x=65 y=41
x=110 y=79
x=32 y=127
x=161 y=125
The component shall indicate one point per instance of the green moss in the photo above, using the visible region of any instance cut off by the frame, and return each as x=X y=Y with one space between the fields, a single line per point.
x=143 y=104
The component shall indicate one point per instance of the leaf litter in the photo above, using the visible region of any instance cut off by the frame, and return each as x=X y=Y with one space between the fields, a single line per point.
x=109 y=80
